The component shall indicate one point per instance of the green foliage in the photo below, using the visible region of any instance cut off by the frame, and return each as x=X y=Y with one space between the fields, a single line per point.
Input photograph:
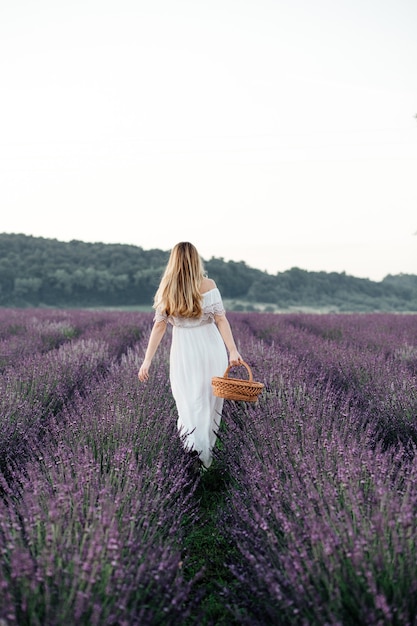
x=45 y=272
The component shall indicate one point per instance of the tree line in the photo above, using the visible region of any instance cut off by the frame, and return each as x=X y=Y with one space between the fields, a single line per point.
x=35 y=271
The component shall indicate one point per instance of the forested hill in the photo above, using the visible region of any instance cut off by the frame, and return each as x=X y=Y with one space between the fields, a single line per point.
x=45 y=272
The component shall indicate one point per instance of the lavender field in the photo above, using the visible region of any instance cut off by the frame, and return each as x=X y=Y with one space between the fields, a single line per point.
x=308 y=515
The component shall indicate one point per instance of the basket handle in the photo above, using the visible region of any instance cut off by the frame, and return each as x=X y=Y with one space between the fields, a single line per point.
x=241 y=363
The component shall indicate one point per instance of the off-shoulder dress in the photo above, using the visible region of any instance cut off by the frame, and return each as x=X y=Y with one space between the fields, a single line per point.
x=197 y=354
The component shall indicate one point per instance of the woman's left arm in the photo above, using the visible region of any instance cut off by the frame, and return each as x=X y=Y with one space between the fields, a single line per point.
x=226 y=332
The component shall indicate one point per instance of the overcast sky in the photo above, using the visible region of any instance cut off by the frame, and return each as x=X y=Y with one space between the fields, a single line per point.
x=277 y=132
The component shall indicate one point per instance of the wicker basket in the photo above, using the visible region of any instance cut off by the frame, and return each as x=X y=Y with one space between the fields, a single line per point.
x=236 y=388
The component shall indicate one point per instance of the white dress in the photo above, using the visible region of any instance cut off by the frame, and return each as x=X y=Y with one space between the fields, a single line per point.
x=197 y=354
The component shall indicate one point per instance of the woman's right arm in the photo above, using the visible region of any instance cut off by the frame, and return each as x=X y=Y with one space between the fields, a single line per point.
x=157 y=332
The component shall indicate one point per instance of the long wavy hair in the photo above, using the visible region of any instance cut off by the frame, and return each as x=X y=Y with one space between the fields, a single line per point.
x=179 y=290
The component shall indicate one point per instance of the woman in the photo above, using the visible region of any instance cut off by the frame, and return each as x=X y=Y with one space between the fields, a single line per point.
x=191 y=302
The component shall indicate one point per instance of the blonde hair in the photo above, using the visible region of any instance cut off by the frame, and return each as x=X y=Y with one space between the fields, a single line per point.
x=179 y=290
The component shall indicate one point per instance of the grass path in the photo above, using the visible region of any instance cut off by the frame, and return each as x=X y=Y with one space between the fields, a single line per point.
x=206 y=548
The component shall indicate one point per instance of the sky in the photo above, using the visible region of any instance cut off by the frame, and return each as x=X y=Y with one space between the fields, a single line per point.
x=282 y=133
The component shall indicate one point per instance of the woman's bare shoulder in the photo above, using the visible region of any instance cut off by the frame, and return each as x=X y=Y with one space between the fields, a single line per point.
x=207 y=284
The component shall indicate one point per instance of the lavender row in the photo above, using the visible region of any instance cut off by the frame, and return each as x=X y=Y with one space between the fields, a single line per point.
x=322 y=510
x=370 y=358
x=29 y=331
x=37 y=382
x=94 y=534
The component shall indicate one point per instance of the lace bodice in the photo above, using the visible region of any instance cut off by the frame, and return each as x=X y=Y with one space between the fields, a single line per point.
x=212 y=305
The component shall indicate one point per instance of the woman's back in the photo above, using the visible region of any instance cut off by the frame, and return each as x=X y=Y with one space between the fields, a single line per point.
x=207 y=284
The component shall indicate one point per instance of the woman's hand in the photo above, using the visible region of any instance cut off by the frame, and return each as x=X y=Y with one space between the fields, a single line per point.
x=143 y=373
x=235 y=358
